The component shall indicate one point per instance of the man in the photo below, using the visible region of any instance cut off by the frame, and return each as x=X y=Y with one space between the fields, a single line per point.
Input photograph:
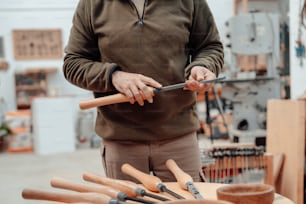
x=129 y=47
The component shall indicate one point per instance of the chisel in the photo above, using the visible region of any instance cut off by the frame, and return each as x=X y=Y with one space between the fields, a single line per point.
x=69 y=197
x=184 y=180
x=121 y=98
x=153 y=183
x=128 y=187
x=78 y=187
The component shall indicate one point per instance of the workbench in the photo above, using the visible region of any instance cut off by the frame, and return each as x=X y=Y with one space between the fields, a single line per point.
x=208 y=191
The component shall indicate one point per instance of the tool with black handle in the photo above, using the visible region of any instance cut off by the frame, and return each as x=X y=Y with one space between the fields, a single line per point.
x=78 y=187
x=184 y=180
x=151 y=182
x=128 y=187
x=121 y=98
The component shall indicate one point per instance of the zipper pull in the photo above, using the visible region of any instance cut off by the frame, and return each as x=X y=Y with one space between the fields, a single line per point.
x=140 y=21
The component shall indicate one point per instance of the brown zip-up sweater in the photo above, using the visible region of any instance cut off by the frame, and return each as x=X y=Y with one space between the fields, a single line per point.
x=110 y=34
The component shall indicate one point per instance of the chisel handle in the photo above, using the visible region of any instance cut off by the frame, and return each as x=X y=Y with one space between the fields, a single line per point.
x=74 y=197
x=79 y=187
x=120 y=185
x=182 y=177
x=149 y=181
x=54 y=202
x=103 y=101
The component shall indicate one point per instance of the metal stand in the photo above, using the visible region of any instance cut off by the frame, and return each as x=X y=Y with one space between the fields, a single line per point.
x=209 y=120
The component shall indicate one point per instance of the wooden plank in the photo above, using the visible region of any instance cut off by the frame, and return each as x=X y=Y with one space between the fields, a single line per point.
x=286 y=134
x=236 y=5
x=245 y=8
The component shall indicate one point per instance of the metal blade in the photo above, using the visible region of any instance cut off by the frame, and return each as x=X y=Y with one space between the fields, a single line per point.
x=194 y=191
x=162 y=188
x=170 y=192
x=182 y=85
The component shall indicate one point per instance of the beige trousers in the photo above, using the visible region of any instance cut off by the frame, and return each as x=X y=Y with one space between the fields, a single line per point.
x=150 y=158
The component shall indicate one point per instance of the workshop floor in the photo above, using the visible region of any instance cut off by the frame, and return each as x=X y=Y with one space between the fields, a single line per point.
x=27 y=170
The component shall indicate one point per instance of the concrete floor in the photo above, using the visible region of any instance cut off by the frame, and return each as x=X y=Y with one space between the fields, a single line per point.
x=27 y=170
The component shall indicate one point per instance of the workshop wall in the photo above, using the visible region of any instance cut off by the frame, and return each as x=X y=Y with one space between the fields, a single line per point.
x=297 y=51
x=34 y=14
x=46 y=14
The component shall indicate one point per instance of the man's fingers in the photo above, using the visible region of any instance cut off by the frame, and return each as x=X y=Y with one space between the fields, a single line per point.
x=146 y=92
x=136 y=87
x=137 y=95
x=130 y=95
x=151 y=82
x=196 y=86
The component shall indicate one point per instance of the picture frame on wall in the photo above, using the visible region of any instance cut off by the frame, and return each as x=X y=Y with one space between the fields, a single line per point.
x=31 y=44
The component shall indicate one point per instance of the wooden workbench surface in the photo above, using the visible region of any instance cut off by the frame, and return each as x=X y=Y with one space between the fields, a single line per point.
x=208 y=191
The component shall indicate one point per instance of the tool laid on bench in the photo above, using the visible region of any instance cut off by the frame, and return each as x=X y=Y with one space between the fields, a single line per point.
x=78 y=187
x=184 y=180
x=69 y=197
x=128 y=187
x=121 y=98
x=151 y=182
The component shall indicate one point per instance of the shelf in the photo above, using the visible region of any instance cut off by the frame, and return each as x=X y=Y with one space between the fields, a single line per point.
x=31 y=83
x=48 y=70
x=30 y=88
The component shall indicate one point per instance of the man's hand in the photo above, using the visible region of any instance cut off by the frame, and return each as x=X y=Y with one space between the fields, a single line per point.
x=199 y=73
x=136 y=87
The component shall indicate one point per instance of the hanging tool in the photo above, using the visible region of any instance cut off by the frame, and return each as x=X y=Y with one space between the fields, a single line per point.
x=185 y=181
x=128 y=187
x=113 y=193
x=153 y=183
x=71 y=197
x=121 y=98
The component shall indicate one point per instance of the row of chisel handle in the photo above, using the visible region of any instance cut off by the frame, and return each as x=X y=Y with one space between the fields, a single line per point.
x=234 y=164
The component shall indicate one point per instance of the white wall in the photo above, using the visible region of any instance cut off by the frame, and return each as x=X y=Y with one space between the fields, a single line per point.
x=297 y=71
x=222 y=11
x=46 y=14
x=34 y=14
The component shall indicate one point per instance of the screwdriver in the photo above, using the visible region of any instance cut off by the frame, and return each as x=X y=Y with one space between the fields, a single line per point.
x=153 y=183
x=128 y=187
x=113 y=193
x=184 y=180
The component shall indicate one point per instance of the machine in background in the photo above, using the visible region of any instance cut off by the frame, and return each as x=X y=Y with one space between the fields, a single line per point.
x=253 y=37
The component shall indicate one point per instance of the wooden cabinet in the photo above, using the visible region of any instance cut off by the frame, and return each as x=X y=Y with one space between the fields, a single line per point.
x=29 y=84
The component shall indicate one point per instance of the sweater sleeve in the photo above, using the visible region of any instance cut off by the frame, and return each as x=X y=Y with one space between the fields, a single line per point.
x=205 y=45
x=82 y=62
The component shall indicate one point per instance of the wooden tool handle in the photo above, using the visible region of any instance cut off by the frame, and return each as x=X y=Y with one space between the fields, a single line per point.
x=74 y=197
x=71 y=203
x=149 y=181
x=119 y=185
x=103 y=101
x=181 y=176
x=79 y=203
x=78 y=187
